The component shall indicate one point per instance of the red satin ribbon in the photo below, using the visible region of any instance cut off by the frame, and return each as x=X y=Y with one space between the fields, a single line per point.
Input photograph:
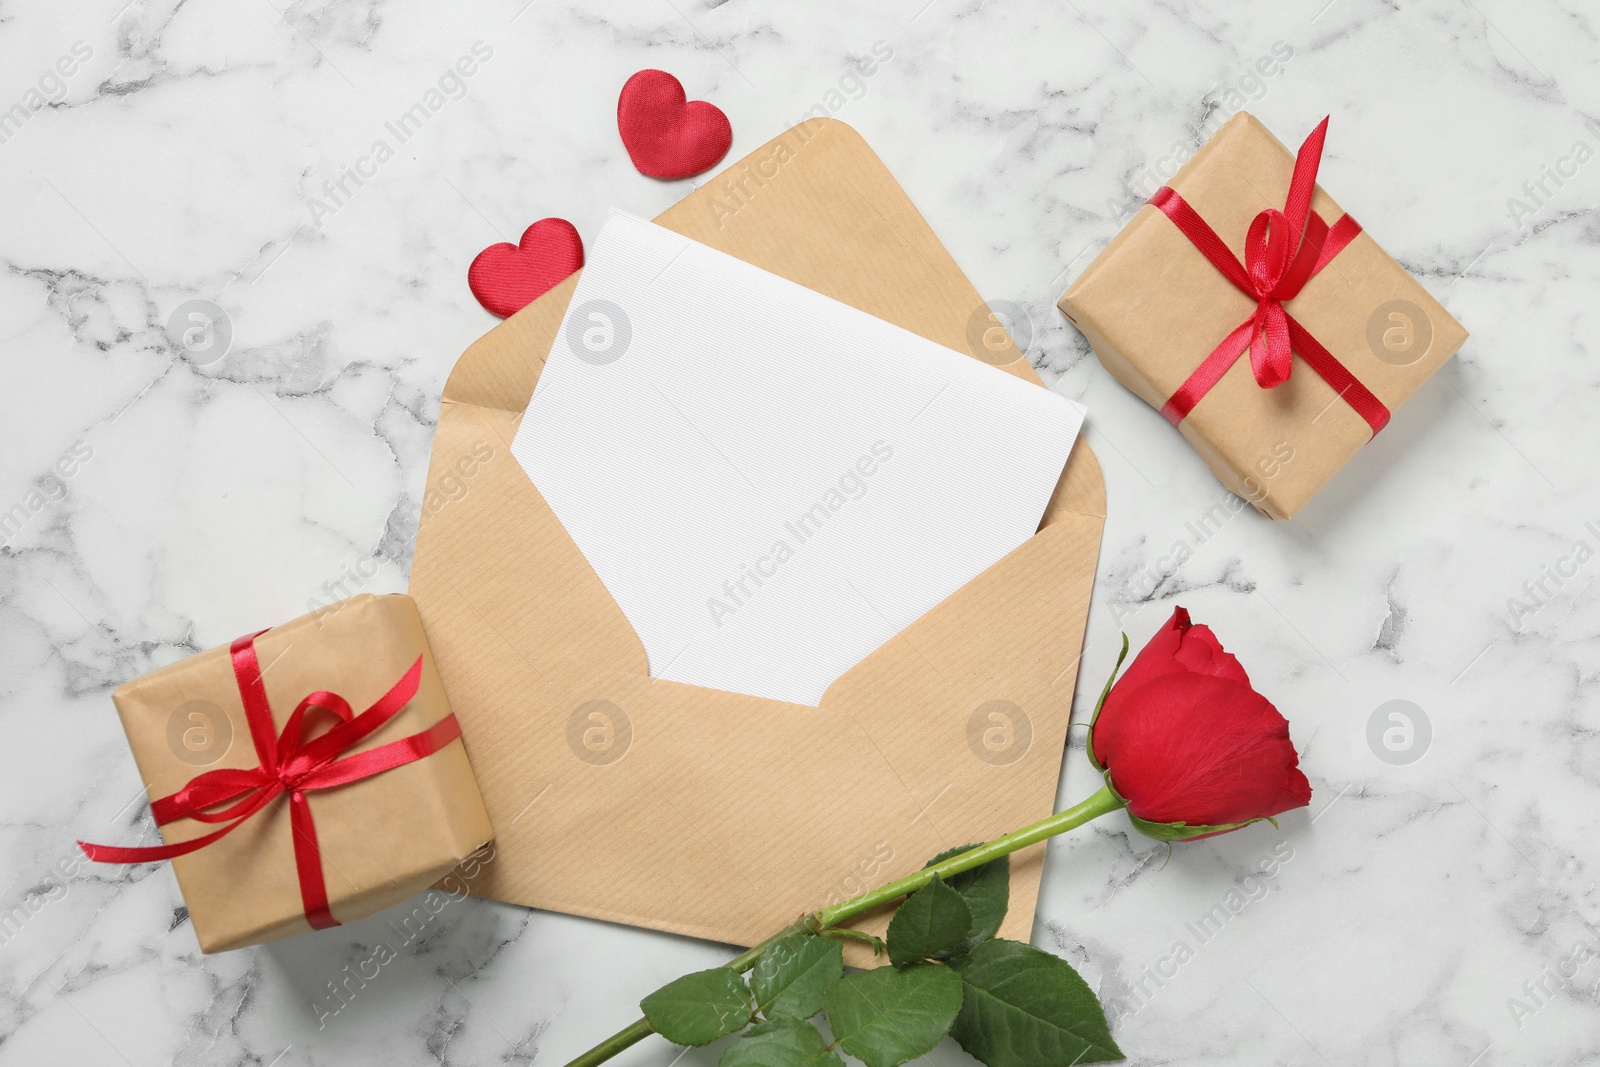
x=290 y=763
x=1282 y=251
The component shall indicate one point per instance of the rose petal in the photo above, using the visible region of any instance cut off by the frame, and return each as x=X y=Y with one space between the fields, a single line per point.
x=1182 y=646
x=1202 y=653
x=1199 y=749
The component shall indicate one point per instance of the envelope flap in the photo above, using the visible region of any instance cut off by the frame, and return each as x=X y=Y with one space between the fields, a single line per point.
x=498 y=370
x=924 y=292
x=491 y=553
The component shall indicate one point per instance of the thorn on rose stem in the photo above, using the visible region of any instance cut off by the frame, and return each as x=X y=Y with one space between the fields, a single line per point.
x=839 y=933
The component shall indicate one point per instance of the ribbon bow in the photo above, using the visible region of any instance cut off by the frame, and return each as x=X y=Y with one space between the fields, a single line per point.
x=1283 y=251
x=293 y=763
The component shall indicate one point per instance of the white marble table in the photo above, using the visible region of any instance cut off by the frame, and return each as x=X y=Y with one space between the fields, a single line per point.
x=1421 y=912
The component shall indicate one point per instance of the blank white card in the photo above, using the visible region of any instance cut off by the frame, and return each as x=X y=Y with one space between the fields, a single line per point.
x=770 y=483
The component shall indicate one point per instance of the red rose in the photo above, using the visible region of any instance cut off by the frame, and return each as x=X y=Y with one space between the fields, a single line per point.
x=1189 y=745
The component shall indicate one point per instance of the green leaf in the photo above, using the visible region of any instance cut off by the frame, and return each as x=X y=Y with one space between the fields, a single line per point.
x=700 y=1007
x=888 y=1016
x=780 y=1043
x=1026 y=1008
x=792 y=975
x=986 y=889
x=933 y=923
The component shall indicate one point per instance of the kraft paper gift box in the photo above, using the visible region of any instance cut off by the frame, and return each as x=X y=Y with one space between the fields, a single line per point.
x=715 y=814
x=1154 y=307
x=381 y=838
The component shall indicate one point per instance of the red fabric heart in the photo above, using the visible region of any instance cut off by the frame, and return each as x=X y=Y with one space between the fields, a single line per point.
x=666 y=135
x=508 y=277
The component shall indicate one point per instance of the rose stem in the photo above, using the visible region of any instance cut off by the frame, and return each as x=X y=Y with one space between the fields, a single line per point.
x=1095 y=806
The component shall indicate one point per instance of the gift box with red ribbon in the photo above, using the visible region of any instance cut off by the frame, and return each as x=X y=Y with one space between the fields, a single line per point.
x=303 y=776
x=1259 y=318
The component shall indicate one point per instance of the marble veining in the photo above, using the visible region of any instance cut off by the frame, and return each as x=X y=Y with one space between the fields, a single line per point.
x=159 y=500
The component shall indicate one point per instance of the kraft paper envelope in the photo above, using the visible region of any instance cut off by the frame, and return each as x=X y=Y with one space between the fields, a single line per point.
x=714 y=814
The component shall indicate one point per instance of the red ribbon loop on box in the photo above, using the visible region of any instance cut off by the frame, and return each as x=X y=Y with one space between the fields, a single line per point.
x=292 y=763
x=1283 y=250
